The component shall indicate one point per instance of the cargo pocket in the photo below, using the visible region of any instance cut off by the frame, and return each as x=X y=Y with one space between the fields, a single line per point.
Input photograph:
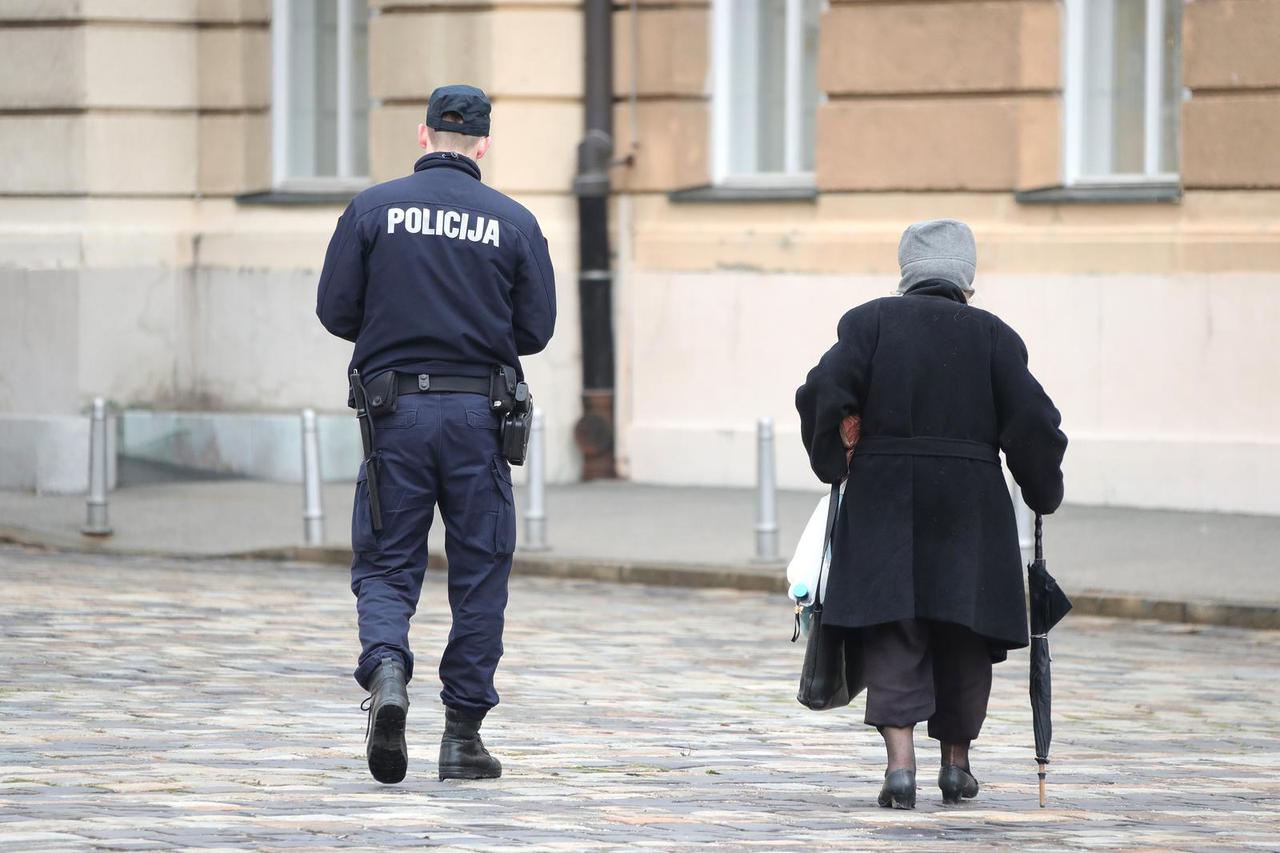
x=504 y=528
x=396 y=420
x=363 y=537
x=478 y=419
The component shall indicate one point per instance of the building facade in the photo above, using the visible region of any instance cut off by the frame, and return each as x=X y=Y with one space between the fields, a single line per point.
x=174 y=170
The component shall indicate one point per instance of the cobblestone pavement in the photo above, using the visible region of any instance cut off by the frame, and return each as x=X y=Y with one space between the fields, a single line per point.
x=149 y=704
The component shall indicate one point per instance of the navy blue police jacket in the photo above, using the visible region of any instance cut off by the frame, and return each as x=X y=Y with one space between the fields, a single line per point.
x=437 y=273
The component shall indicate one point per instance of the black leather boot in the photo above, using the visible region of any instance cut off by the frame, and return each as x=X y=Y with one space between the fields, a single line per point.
x=899 y=790
x=388 y=705
x=462 y=752
x=956 y=782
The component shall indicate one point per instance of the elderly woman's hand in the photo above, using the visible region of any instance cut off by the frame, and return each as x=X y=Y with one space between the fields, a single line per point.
x=850 y=430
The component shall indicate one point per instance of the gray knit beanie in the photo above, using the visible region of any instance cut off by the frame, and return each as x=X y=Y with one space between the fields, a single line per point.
x=937 y=249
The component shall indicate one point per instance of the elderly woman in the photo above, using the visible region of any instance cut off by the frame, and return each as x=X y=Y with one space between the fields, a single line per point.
x=926 y=563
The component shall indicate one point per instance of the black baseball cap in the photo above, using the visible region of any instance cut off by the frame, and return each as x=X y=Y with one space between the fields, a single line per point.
x=467 y=101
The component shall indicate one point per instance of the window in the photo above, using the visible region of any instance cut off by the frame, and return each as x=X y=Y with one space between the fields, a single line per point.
x=1123 y=90
x=765 y=91
x=320 y=93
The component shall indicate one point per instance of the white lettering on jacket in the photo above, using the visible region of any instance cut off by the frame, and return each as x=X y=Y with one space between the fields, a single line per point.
x=444 y=223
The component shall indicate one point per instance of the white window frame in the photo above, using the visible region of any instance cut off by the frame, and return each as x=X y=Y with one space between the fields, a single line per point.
x=281 y=16
x=721 y=106
x=1074 y=95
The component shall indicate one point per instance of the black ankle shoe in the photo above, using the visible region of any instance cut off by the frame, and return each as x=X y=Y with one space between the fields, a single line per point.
x=388 y=705
x=899 y=790
x=462 y=752
x=956 y=782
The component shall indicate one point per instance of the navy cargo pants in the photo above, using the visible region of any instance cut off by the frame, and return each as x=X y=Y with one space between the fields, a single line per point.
x=436 y=449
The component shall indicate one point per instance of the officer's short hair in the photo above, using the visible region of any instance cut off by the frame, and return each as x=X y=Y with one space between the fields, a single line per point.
x=444 y=140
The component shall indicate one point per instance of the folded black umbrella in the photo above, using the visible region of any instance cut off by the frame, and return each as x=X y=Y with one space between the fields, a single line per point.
x=1048 y=605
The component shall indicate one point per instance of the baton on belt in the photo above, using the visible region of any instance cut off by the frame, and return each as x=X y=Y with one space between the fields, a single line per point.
x=366 y=438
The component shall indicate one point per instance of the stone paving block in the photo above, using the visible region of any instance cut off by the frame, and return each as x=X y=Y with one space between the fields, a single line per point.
x=209 y=704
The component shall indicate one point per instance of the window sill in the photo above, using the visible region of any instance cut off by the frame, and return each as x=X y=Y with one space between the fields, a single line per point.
x=285 y=197
x=1164 y=193
x=709 y=193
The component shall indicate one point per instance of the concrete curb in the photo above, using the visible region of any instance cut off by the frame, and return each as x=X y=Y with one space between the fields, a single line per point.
x=691 y=575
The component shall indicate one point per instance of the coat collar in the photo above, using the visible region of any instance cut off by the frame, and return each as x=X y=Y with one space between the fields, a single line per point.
x=938 y=287
x=448 y=160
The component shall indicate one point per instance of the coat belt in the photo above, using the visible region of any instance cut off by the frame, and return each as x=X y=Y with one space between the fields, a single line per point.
x=926 y=445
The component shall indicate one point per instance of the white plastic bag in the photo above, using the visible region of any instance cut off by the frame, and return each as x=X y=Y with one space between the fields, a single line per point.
x=808 y=566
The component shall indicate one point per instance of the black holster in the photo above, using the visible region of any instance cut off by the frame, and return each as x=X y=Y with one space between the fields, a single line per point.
x=360 y=400
x=510 y=398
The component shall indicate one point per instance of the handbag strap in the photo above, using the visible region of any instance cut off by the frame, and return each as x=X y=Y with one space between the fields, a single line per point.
x=832 y=508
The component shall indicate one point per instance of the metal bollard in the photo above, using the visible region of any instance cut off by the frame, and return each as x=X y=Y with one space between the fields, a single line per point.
x=1026 y=521
x=312 y=506
x=767 y=494
x=96 y=516
x=535 y=515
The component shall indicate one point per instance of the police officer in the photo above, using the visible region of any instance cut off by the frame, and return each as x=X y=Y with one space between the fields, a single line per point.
x=439 y=281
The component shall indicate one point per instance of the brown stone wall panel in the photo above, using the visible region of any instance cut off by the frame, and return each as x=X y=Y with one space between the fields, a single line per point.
x=235 y=153
x=141 y=153
x=243 y=11
x=436 y=5
x=939 y=47
x=43 y=67
x=393 y=144
x=42 y=154
x=534 y=146
x=163 y=11
x=673 y=51
x=1039 y=142
x=141 y=66
x=411 y=54
x=536 y=52
x=920 y=2
x=1040 y=36
x=141 y=10
x=934 y=144
x=1231 y=43
x=135 y=10
x=673 y=153
x=216 y=11
x=234 y=68
x=41 y=10
x=1231 y=141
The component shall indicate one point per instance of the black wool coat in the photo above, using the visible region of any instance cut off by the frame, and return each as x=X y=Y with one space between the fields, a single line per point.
x=927 y=528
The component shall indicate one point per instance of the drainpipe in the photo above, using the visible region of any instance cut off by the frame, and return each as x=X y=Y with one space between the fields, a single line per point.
x=594 y=432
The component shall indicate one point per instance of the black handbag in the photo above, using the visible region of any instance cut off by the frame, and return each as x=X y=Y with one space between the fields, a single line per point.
x=832 y=671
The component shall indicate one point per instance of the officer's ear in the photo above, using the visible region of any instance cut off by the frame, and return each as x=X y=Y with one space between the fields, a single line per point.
x=424 y=138
x=482 y=146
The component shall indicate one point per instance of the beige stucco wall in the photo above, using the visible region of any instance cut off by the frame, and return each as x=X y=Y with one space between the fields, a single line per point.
x=1162 y=368
x=139 y=276
x=129 y=129
x=1180 y=419
x=1148 y=323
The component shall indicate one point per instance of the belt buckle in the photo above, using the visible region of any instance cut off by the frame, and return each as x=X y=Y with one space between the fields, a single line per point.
x=424 y=382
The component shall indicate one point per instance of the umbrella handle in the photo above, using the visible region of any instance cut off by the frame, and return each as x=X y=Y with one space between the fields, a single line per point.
x=1044 y=766
x=1039 y=537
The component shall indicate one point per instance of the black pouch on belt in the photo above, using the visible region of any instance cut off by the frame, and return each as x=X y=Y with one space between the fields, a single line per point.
x=502 y=389
x=382 y=393
x=517 y=426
